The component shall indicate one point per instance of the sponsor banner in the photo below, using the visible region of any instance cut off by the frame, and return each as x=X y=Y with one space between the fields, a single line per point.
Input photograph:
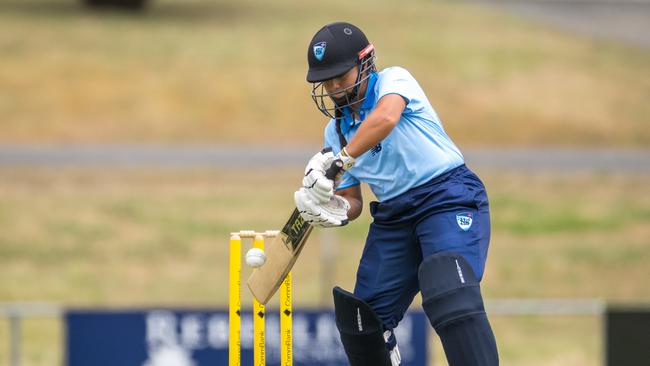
x=181 y=337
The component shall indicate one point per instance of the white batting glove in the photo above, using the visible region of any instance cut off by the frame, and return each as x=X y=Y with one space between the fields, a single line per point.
x=330 y=214
x=319 y=187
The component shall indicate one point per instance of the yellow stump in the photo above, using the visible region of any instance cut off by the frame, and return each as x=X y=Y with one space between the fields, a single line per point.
x=259 y=316
x=259 y=348
x=234 y=350
x=286 y=357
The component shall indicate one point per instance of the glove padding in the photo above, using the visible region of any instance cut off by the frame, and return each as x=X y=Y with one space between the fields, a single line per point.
x=330 y=214
x=319 y=188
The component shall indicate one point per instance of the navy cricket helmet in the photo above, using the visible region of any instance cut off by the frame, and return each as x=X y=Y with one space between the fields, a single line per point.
x=334 y=50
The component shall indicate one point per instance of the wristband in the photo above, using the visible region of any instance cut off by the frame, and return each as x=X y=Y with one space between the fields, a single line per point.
x=348 y=161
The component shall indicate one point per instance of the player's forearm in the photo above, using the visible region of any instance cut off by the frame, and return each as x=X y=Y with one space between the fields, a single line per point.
x=356 y=207
x=354 y=198
x=372 y=131
x=377 y=125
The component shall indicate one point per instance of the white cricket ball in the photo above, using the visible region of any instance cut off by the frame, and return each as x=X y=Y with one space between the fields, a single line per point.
x=255 y=257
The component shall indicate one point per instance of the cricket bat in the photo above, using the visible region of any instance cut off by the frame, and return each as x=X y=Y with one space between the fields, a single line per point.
x=283 y=251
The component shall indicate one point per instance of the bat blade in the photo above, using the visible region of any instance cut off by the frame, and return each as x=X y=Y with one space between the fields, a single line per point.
x=281 y=255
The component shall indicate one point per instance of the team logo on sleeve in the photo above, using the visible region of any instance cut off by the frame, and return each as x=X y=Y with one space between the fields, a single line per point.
x=319 y=50
x=464 y=220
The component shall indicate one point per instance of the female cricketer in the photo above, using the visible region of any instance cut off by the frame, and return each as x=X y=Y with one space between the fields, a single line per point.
x=431 y=224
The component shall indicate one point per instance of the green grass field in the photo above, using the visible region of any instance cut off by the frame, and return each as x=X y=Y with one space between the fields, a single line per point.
x=224 y=71
x=130 y=237
x=86 y=234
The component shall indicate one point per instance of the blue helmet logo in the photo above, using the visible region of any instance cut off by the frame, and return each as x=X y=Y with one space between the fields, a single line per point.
x=319 y=50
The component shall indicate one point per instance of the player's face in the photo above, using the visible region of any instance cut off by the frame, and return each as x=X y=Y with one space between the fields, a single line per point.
x=345 y=91
x=337 y=87
x=341 y=88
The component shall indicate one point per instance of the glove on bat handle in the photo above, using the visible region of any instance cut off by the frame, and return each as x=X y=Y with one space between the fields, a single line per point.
x=333 y=172
x=335 y=169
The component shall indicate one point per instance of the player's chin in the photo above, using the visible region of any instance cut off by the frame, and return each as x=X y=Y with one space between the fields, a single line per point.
x=340 y=101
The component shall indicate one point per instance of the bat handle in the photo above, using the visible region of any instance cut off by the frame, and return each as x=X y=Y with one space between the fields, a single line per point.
x=333 y=171
x=335 y=168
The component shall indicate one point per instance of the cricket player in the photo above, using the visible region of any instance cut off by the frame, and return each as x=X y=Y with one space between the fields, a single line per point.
x=431 y=224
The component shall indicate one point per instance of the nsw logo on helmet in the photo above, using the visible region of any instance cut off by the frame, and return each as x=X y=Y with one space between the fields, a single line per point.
x=319 y=50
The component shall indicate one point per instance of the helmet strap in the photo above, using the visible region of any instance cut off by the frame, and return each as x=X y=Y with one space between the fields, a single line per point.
x=339 y=117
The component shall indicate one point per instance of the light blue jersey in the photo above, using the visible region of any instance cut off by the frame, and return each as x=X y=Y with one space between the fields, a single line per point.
x=417 y=150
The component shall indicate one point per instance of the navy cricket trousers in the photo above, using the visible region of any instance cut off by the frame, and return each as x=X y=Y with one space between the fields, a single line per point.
x=450 y=213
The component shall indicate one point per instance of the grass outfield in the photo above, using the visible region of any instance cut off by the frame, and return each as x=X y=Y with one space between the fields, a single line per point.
x=137 y=237
x=223 y=71
x=130 y=237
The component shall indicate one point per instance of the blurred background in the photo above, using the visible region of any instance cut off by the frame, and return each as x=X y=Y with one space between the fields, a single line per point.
x=134 y=138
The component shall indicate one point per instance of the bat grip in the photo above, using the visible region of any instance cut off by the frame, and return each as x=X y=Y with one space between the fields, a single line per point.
x=335 y=168
x=333 y=171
